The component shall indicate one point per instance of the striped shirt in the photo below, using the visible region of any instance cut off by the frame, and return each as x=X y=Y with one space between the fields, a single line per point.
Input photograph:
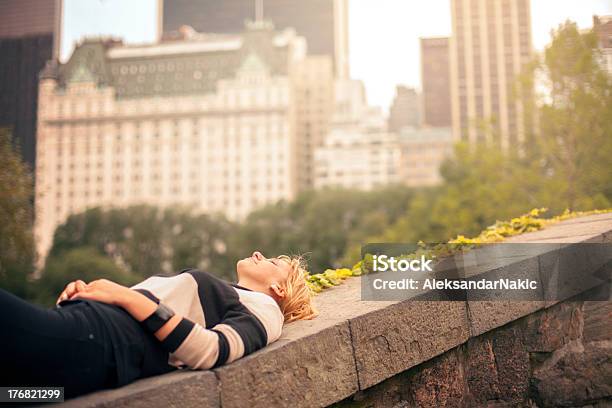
x=221 y=321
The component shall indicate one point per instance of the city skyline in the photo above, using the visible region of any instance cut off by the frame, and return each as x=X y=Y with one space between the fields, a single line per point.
x=413 y=21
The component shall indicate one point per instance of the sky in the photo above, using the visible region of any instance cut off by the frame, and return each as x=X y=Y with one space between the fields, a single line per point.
x=383 y=34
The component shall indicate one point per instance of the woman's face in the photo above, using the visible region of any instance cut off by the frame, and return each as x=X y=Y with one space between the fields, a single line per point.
x=263 y=270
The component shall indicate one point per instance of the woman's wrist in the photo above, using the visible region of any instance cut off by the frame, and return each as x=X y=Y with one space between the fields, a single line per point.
x=140 y=307
x=125 y=297
x=136 y=304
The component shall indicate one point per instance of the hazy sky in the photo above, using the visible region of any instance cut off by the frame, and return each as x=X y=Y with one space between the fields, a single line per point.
x=384 y=34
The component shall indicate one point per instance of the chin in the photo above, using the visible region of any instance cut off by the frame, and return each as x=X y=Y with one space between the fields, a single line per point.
x=241 y=264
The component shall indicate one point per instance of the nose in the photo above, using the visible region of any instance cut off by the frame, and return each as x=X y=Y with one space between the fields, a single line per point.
x=258 y=255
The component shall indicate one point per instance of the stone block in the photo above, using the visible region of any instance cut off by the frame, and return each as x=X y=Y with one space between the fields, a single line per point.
x=405 y=334
x=552 y=328
x=439 y=383
x=183 y=388
x=575 y=269
x=494 y=310
x=312 y=371
x=575 y=375
x=597 y=321
x=481 y=369
x=512 y=364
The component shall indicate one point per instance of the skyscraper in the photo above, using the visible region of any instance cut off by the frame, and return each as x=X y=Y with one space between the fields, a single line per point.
x=313 y=90
x=435 y=79
x=324 y=23
x=405 y=109
x=491 y=41
x=29 y=37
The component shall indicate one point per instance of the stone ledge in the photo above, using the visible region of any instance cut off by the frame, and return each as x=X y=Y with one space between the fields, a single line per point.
x=179 y=388
x=351 y=346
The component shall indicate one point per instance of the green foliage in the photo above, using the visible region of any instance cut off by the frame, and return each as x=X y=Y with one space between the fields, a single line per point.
x=16 y=238
x=328 y=278
x=573 y=144
x=497 y=232
x=564 y=162
x=84 y=263
x=145 y=240
x=326 y=222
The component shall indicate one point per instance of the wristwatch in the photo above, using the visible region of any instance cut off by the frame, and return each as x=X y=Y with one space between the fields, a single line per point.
x=159 y=317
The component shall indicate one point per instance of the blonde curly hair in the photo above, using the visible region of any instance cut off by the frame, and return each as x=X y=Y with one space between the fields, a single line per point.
x=297 y=304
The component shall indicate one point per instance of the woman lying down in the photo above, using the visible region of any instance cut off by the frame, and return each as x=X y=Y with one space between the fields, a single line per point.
x=105 y=335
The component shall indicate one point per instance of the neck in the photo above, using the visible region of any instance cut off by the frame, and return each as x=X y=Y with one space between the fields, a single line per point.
x=255 y=286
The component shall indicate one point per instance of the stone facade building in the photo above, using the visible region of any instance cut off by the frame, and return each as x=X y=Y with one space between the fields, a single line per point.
x=207 y=121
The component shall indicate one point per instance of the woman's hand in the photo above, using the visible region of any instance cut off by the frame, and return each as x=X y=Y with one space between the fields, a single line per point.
x=103 y=290
x=71 y=289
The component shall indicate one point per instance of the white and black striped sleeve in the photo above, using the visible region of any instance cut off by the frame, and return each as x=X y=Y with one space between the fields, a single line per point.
x=220 y=322
x=201 y=348
x=194 y=345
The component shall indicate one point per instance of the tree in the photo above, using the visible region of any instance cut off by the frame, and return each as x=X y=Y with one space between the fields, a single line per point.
x=574 y=141
x=322 y=224
x=85 y=263
x=144 y=240
x=16 y=238
x=565 y=162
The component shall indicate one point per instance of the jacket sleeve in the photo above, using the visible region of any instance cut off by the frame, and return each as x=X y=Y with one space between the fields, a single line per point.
x=201 y=348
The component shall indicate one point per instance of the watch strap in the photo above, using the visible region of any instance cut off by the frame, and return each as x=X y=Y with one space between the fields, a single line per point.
x=158 y=318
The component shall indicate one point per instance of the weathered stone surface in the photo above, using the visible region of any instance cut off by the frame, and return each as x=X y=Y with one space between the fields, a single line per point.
x=439 y=383
x=579 y=268
x=508 y=306
x=390 y=393
x=177 y=389
x=552 y=328
x=549 y=271
x=309 y=372
x=575 y=375
x=481 y=370
x=488 y=315
x=512 y=362
x=497 y=368
x=597 y=321
x=403 y=335
x=436 y=383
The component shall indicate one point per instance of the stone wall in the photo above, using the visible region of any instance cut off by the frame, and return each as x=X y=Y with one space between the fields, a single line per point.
x=556 y=357
x=416 y=353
